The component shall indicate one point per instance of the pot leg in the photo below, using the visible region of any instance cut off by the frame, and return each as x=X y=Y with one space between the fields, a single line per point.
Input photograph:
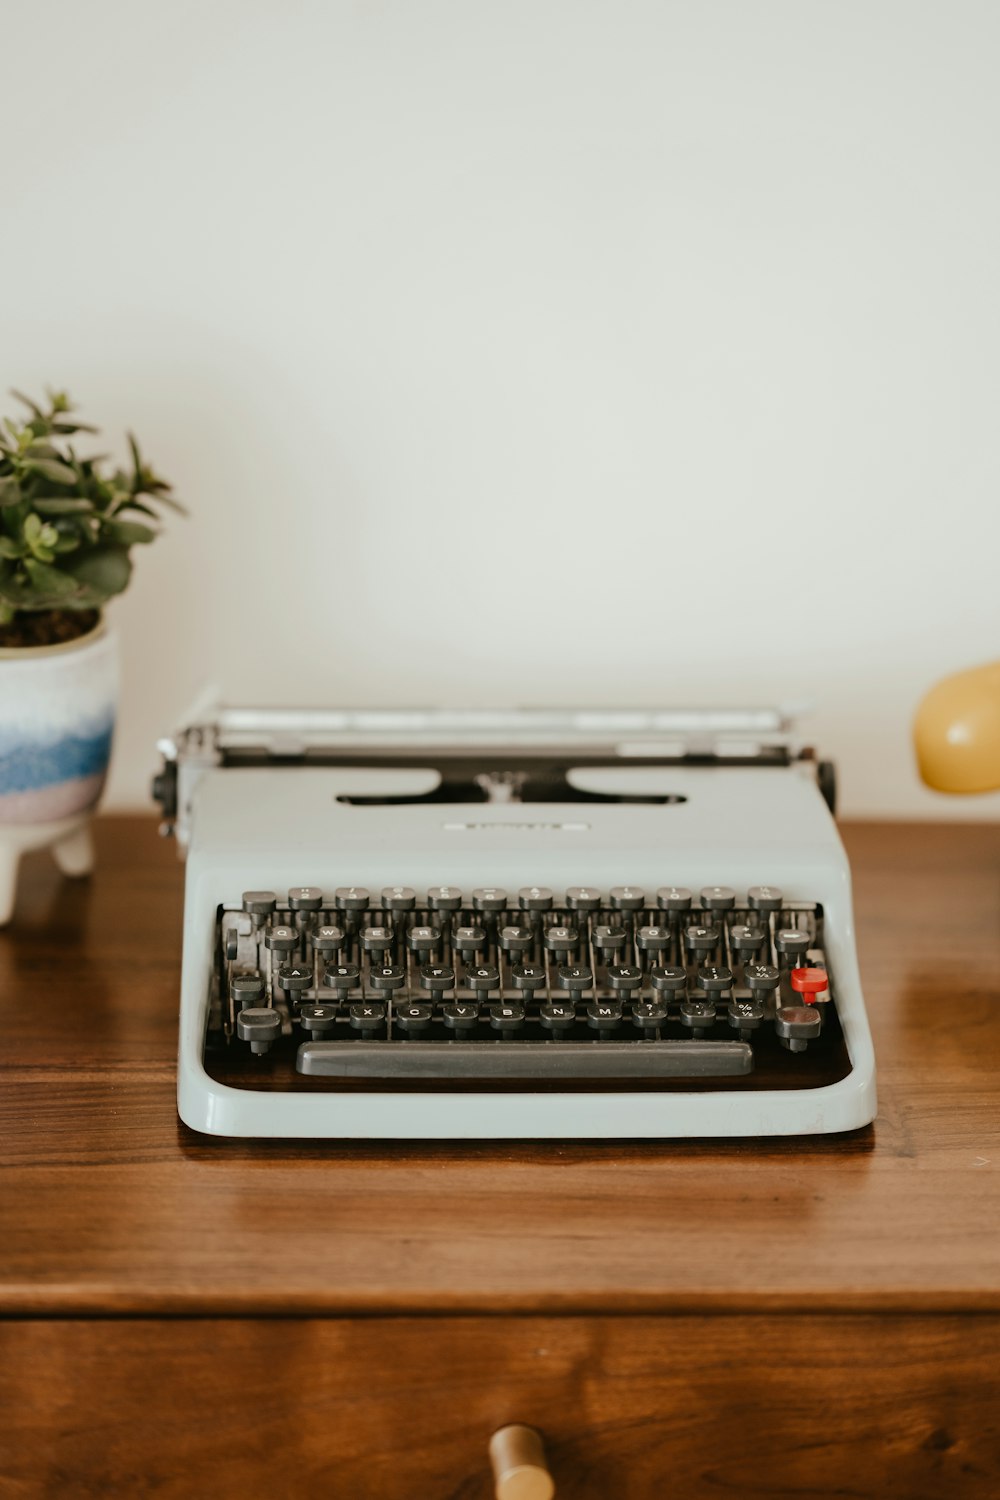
x=10 y=858
x=75 y=854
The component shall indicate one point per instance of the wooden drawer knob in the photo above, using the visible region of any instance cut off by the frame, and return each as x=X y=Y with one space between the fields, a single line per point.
x=519 y=1468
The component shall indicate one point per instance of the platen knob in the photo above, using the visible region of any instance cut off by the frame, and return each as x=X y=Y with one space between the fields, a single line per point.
x=519 y=1468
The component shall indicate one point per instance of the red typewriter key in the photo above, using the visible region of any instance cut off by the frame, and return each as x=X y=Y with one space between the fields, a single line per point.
x=810 y=983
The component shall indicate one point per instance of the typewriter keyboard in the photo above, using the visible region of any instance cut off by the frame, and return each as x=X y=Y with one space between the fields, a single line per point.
x=532 y=985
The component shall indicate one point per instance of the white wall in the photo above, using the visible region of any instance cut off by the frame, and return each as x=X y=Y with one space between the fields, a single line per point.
x=529 y=352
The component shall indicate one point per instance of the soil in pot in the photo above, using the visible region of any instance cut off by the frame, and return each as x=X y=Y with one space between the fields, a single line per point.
x=49 y=627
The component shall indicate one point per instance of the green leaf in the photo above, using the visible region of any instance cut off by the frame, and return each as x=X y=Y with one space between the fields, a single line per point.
x=32 y=529
x=9 y=548
x=50 y=468
x=105 y=569
x=66 y=507
x=128 y=532
x=68 y=427
x=10 y=492
x=49 y=580
x=27 y=401
x=67 y=543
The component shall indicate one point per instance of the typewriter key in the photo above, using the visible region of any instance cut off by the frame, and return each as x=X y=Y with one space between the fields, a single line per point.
x=351 y=898
x=260 y=1026
x=811 y=984
x=604 y=1015
x=305 y=898
x=557 y=1018
x=246 y=988
x=468 y=939
x=718 y=898
x=318 y=1020
x=701 y=939
x=561 y=939
x=341 y=977
x=483 y=979
x=535 y=898
x=377 y=939
x=574 y=977
x=259 y=904
x=674 y=898
x=529 y=977
x=791 y=943
x=761 y=979
x=609 y=939
x=797 y=1025
x=627 y=898
x=437 y=977
x=387 y=977
x=281 y=939
x=367 y=1016
x=507 y=1017
x=489 y=898
x=444 y=898
x=516 y=939
x=715 y=978
x=624 y=977
x=583 y=898
x=423 y=939
x=765 y=898
x=327 y=939
x=745 y=1014
x=463 y=1016
x=649 y=1015
x=413 y=1018
x=294 y=978
x=746 y=940
x=397 y=898
x=668 y=979
x=697 y=1016
x=654 y=939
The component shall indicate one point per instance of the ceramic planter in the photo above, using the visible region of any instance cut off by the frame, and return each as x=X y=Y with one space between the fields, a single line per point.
x=57 y=714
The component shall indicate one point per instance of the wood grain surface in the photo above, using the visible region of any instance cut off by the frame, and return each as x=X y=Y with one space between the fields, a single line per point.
x=109 y=1205
x=402 y=1409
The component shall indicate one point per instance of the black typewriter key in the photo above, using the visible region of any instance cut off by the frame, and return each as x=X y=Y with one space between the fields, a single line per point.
x=701 y=939
x=746 y=940
x=528 y=977
x=341 y=977
x=387 y=977
x=231 y=942
x=483 y=978
x=797 y=1025
x=516 y=939
x=246 y=988
x=294 y=978
x=352 y=898
x=462 y=1016
x=761 y=979
x=558 y=1018
x=609 y=939
x=715 y=979
x=260 y=1026
x=561 y=940
x=507 y=1017
x=535 y=898
x=668 y=979
x=697 y=1016
x=766 y=898
x=305 y=898
x=624 y=977
x=444 y=898
x=792 y=944
x=745 y=1014
x=627 y=898
x=604 y=1016
x=649 y=1015
x=413 y=1017
x=318 y=1020
x=653 y=939
x=574 y=977
x=398 y=898
x=367 y=1016
x=259 y=904
x=583 y=898
x=377 y=939
x=423 y=939
x=327 y=939
x=718 y=898
x=489 y=898
x=674 y=898
x=281 y=939
x=437 y=978
x=466 y=940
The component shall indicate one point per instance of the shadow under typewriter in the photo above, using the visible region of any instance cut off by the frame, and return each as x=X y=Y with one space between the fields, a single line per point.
x=593 y=994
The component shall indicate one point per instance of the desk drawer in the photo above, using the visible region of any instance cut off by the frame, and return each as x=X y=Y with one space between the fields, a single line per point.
x=631 y=1408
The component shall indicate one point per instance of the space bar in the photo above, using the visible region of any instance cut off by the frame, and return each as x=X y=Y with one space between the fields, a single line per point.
x=693 y=1059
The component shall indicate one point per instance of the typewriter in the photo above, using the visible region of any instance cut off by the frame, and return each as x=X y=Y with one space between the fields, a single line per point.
x=513 y=924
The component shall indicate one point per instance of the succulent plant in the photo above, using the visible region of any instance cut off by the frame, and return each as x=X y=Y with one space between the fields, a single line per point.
x=67 y=523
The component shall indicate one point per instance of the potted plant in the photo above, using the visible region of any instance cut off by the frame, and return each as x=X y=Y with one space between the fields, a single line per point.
x=67 y=527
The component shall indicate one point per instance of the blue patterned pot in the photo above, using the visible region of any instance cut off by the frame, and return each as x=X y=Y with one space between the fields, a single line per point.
x=57 y=714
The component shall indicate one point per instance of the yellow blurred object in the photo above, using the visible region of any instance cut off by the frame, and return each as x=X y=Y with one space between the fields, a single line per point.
x=957 y=732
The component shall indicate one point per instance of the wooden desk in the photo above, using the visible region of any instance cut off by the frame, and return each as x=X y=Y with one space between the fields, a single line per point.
x=189 y=1316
